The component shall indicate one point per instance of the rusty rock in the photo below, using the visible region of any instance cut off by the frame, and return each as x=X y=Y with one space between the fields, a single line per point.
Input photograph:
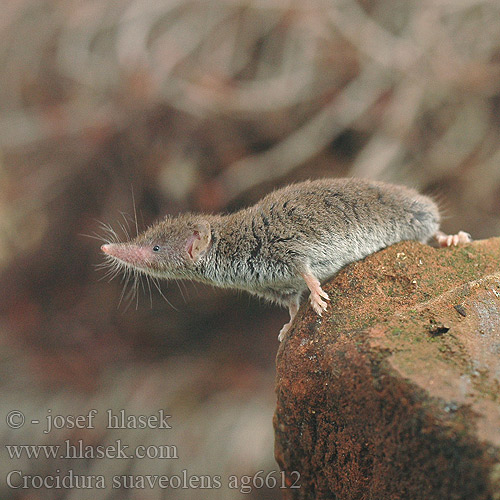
x=392 y=394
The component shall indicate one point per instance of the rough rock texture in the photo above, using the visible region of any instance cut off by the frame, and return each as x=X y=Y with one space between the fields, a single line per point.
x=394 y=393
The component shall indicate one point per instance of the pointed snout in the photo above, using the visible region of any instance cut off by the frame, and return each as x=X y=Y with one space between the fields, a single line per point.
x=131 y=254
x=112 y=249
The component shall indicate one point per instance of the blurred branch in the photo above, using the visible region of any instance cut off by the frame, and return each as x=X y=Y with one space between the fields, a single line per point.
x=299 y=73
x=308 y=140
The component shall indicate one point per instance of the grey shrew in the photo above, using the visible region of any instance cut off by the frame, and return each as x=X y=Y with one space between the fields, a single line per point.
x=288 y=242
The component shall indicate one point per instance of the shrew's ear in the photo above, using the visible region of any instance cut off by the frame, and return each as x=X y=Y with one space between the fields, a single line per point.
x=198 y=242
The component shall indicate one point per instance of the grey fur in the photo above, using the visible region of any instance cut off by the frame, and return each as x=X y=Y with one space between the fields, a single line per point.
x=317 y=226
x=314 y=227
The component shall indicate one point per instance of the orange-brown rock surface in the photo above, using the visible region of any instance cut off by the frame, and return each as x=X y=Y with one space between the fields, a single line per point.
x=394 y=393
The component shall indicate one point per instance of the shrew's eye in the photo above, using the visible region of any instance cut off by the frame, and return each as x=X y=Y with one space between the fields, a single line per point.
x=156 y=248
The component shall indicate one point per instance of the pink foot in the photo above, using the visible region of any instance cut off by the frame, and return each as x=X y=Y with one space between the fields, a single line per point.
x=292 y=309
x=284 y=330
x=447 y=240
x=317 y=293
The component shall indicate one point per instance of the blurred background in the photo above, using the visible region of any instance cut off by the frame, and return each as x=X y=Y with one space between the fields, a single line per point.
x=166 y=106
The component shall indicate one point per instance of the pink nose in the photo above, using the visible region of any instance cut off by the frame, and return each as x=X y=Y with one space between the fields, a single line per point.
x=105 y=248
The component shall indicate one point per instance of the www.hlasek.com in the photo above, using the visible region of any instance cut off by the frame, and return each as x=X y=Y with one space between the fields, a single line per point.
x=79 y=451
x=69 y=480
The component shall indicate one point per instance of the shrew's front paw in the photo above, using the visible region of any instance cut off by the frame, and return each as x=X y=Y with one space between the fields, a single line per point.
x=317 y=302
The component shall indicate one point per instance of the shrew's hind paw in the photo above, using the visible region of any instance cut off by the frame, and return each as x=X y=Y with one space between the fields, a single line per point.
x=447 y=240
x=284 y=331
x=293 y=307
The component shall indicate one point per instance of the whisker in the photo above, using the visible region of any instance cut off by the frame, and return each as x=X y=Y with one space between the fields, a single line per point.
x=131 y=294
x=110 y=235
x=136 y=291
x=94 y=236
x=129 y=297
x=135 y=212
x=157 y=286
x=180 y=290
x=122 y=227
x=150 y=294
x=126 y=278
x=126 y=218
x=111 y=274
x=186 y=288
